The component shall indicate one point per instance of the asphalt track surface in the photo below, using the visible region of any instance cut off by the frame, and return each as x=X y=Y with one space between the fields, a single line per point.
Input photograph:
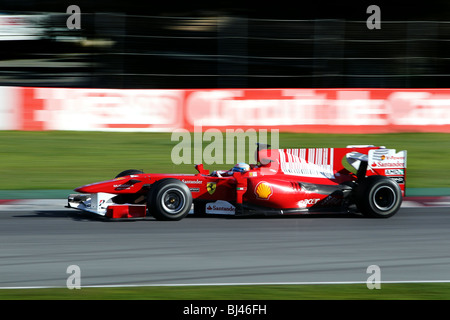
x=37 y=246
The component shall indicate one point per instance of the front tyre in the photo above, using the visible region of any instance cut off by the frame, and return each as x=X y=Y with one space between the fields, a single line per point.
x=169 y=199
x=378 y=197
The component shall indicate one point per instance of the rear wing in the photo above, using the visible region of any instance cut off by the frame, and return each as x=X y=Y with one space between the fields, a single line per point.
x=329 y=162
x=389 y=163
x=383 y=162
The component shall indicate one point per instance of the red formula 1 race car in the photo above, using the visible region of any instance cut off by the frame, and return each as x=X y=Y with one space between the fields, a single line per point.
x=283 y=181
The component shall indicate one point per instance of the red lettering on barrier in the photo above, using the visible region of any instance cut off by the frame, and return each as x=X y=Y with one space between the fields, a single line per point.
x=297 y=110
x=31 y=107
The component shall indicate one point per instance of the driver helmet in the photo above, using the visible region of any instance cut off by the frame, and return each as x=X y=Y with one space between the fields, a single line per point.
x=241 y=167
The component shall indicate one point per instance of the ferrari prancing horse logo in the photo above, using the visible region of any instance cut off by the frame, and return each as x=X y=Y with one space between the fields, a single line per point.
x=211 y=187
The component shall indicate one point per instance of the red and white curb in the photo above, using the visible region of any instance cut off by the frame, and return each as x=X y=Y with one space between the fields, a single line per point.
x=59 y=204
x=417 y=202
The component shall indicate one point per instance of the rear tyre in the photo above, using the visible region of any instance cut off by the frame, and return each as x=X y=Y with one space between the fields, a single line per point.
x=378 y=197
x=169 y=200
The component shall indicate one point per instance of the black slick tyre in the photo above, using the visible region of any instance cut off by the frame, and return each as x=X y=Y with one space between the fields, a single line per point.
x=169 y=200
x=378 y=197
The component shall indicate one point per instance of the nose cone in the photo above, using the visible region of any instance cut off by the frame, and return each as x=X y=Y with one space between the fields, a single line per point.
x=119 y=185
x=86 y=189
x=81 y=189
x=104 y=186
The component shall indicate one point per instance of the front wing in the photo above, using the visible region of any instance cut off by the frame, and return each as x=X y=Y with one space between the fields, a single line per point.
x=101 y=204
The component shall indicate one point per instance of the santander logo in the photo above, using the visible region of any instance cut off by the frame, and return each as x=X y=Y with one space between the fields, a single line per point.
x=215 y=208
x=220 y=207
x=389 y=163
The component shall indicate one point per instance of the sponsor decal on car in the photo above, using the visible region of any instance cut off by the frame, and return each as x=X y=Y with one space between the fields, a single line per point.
x=220 y=207
x=387 y=158
x=122 y=186
x=101 y=203
x=211 y=187
x=263 y=190
x=307 y=202
x=394 y=172
x=311 y=162
x=381 y=164
x=192 y=181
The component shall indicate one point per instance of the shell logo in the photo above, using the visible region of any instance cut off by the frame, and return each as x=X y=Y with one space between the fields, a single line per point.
x=263 y=190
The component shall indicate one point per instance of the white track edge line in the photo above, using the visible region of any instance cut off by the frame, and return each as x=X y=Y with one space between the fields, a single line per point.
x=230 y=284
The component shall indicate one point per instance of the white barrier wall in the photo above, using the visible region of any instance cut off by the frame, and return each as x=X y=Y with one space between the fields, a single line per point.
x=10 y=107
x=297 y=110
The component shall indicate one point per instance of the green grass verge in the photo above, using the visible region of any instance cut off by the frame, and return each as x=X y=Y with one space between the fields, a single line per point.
x=65 y=160
x=406 y=291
